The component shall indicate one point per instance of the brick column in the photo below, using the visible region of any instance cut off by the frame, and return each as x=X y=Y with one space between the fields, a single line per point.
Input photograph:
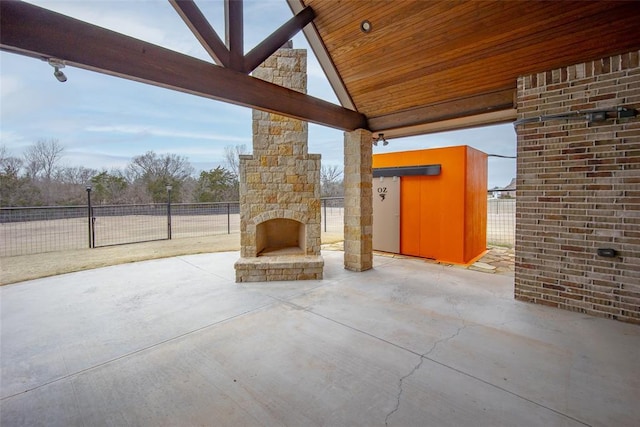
x=578 y=190
x=358 y=203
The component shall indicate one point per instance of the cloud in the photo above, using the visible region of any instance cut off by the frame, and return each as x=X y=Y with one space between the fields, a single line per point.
x=162 y=26
x=162 y=132
x=10 y=85
x=263 y=18
x=95 y=160
x=18 y=96
x=14 y=141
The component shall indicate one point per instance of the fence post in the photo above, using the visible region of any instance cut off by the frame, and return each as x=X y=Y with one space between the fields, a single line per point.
x=90 y=219
x=324 y=206
x=169 y=212
x=228 y=220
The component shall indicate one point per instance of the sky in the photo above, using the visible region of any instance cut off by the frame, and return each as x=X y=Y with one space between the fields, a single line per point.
x=104 y=121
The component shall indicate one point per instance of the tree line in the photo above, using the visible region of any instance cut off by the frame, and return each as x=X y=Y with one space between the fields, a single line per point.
x=39 y=178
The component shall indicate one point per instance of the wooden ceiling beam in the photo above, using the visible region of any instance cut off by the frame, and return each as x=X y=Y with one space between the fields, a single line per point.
x=268 y=46
x=204 y=32
x=37 y=32
x=484 y=119
x=471 y=106
x=234 y=30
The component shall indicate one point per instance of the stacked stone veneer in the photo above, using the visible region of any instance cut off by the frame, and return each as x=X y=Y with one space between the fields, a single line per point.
x=578 y=189
x=280 y=180
x=358 y=201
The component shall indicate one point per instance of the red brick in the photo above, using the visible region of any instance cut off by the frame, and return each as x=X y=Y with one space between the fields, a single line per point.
x=546 y=302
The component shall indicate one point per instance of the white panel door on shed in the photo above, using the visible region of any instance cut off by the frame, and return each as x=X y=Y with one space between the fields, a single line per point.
x=386 y=214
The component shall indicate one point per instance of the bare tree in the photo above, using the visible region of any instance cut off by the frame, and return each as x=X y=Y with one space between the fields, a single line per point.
x=232 y=158
x=40 y=162
x=330 y=173
x=9 y=165
x=78 y=175
x=14 y=189
x=168 y=165
x=158 y=171
x=68 y=185
x=330 y=182
x=42 y=158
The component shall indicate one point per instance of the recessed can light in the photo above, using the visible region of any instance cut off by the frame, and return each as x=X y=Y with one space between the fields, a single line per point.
x=365 y=26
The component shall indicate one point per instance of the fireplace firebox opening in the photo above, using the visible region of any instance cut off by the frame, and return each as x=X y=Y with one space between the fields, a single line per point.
x=280 y=236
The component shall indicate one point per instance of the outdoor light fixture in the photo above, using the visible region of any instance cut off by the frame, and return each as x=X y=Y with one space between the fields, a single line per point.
x=380 y=138
x=57 y=64
x=607 y=252
x=365 y=26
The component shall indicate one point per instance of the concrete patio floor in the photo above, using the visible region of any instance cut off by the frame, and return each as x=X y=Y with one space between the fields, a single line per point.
x=409 y=343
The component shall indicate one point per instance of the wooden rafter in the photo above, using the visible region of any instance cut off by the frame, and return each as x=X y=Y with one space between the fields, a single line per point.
x=470 y=106
x=230 y=54
x=278 y=38
x=204 y=32
x=234 y=30
x=33 y=31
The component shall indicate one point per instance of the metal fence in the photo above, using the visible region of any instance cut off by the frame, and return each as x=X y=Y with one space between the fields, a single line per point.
x=34 y=230
x=501 y=221
x=42 y=229
x=120 y=224
x=333 y=214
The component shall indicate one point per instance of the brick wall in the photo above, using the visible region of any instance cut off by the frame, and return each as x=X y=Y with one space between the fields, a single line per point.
x=578 y=189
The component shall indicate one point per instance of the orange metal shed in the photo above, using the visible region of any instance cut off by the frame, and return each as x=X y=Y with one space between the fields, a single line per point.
x=443 y=217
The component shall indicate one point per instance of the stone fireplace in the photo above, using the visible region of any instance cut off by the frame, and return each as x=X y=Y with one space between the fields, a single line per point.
x=280 y=188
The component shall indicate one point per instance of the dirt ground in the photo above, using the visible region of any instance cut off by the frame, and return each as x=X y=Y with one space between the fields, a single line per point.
x=26 y=267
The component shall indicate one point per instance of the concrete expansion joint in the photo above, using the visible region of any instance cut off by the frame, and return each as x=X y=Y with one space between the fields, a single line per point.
x=287 y=300
x=416 y=368
x=151 y=347
x=182 y=259
x=292 y=305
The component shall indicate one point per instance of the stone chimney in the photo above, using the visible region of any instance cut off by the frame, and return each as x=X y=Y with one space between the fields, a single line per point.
x=280 y=187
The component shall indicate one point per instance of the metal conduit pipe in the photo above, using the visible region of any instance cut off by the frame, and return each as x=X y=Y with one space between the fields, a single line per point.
x=596 y=115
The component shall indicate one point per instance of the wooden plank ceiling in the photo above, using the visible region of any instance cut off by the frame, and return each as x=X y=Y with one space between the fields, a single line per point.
x=427 y=61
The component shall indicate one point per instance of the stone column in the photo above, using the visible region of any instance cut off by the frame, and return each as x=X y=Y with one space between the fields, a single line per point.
x=358 y=202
